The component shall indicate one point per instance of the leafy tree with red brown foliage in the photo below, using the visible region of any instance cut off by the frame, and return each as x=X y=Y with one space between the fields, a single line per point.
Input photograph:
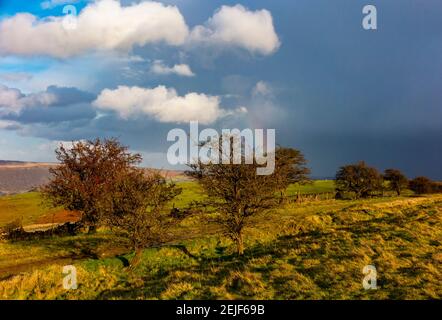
x=86 y=175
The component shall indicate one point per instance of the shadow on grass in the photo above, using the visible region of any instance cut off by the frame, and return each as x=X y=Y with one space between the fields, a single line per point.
x=329 y=272
x=152 y=286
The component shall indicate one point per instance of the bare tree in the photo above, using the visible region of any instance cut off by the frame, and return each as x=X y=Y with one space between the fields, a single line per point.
x=397 y=180
x=358 y=178
x=421 y=185
x=290 y=169
x=237 y=193
x=138 y=210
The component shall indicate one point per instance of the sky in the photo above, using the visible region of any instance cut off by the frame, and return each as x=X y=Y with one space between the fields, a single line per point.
x=136 y=69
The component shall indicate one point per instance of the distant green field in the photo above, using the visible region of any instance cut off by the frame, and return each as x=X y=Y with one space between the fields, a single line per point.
x=317 y=186
x=28 y=206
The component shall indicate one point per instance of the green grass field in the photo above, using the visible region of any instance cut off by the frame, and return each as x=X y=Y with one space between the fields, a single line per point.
x=318 y=186
x=27 y=207
x=309 y=250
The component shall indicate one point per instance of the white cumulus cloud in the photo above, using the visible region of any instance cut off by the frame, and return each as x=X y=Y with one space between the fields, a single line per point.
x=158 y=67
x=102 y=25
x=238 y=27
x=12 y=101
x=106 y=25
x=161 y=103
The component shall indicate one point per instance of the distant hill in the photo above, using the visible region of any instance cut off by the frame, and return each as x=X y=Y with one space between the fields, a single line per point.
x=17 y=176
x=8 y=162
x=20 y=176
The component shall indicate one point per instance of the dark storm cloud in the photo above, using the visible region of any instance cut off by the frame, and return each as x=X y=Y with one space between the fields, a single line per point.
x=69 y=95
x=351 y=94
x=66 y=104
x=56 y=113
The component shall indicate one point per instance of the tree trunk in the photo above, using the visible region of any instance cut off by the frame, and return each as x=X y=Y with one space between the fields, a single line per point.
x=240 y=244
x=92 y=229
x=282 y=197
x=136 y=259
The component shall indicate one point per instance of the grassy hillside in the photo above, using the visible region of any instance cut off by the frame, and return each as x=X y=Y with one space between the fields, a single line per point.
x=313 y=250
